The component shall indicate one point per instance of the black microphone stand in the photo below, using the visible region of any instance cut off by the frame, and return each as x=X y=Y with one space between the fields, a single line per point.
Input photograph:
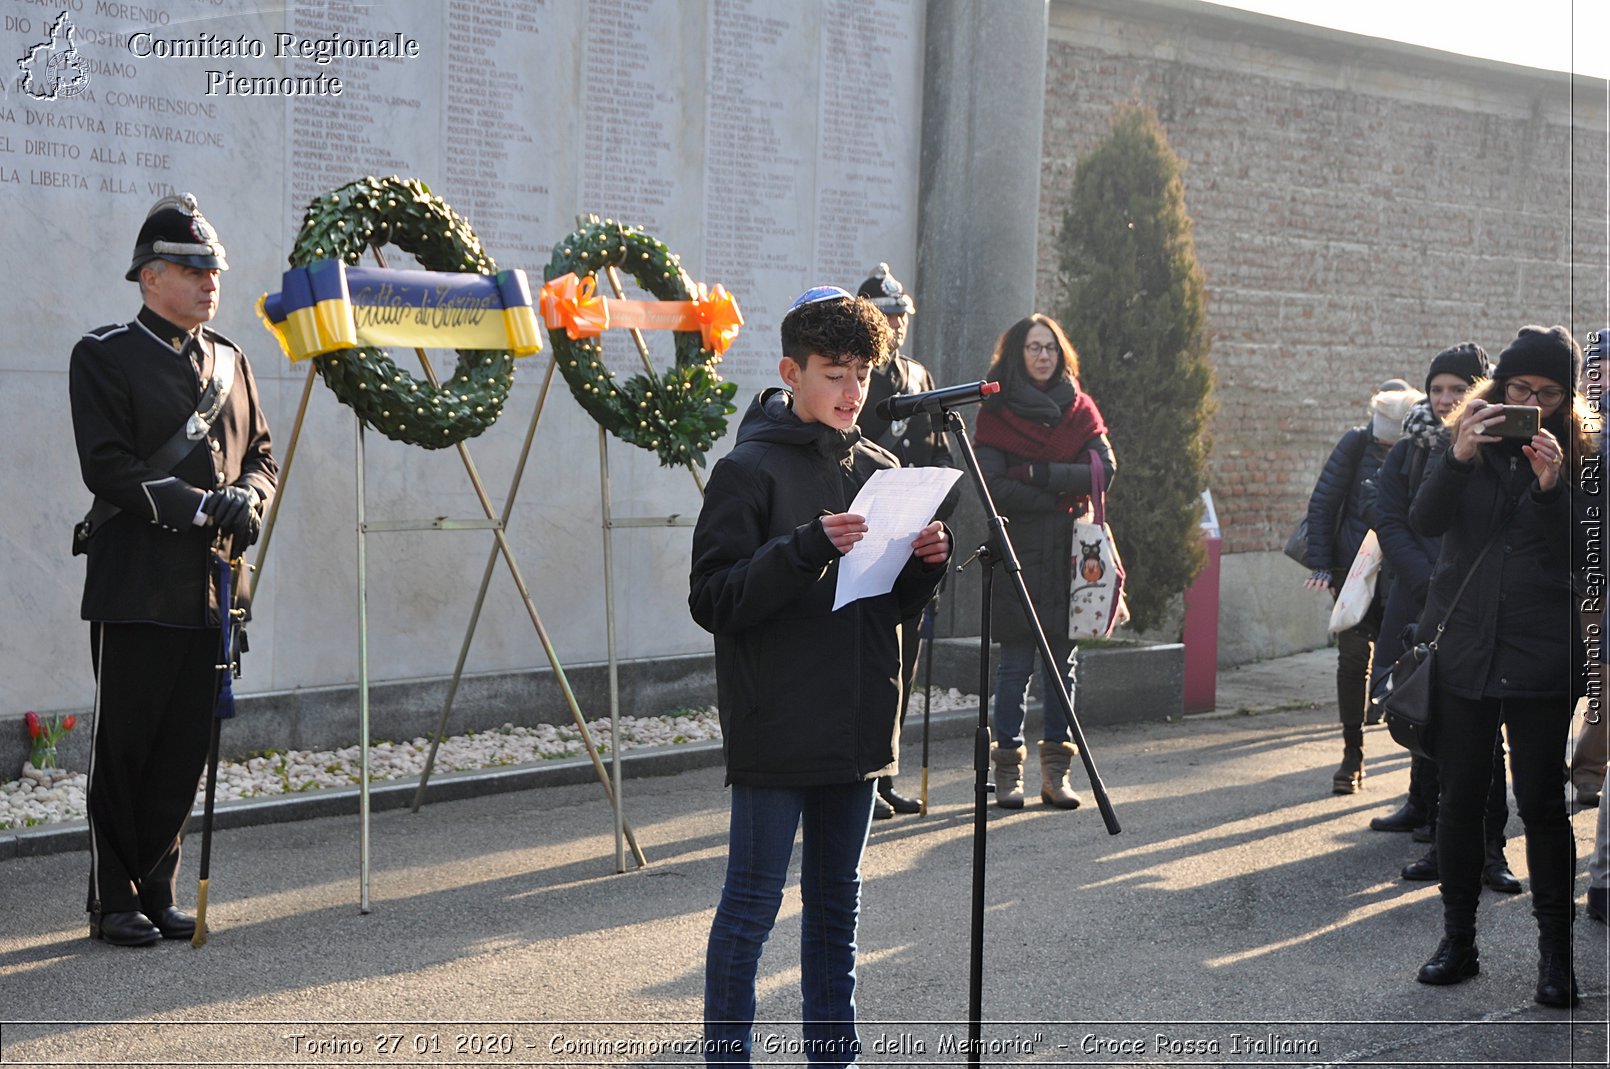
x=997 y=549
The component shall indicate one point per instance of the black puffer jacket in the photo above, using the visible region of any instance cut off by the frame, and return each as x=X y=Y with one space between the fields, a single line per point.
x=807 y=696
x=1337 y=514
x=1513 y=633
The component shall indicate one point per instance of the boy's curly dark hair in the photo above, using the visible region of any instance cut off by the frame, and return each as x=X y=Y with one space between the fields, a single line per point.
x=844 y=330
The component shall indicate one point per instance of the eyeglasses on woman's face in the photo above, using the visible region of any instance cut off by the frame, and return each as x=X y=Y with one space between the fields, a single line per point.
x=1037 y=348
x=1519 y=393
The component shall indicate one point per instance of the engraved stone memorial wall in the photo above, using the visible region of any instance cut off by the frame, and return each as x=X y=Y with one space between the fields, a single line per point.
x=772 y=146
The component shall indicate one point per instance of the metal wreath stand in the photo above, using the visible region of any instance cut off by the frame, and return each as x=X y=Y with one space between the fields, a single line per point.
x=612 y=785
x=498 y=525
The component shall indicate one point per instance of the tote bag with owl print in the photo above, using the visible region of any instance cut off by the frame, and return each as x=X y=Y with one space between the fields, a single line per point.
x=1096 y=576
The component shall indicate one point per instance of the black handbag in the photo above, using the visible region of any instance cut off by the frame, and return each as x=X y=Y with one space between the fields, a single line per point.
x=1408 y=701
x=1297 y=543
x=1407 y=696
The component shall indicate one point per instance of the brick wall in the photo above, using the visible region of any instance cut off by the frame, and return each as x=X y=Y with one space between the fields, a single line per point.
x=1358 y=205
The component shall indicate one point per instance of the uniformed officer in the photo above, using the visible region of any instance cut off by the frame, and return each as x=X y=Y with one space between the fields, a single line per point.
x=173 y=444
x=919 y=442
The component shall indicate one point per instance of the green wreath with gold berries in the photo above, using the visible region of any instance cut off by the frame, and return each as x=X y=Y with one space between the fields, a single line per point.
x=678 y=415
x=343 y=224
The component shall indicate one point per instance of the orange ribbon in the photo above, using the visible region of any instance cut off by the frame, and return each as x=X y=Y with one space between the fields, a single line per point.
x=719 y=319
x=573 y=304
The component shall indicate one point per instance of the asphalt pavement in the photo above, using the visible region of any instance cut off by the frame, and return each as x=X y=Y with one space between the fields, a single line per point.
x=1243 y=916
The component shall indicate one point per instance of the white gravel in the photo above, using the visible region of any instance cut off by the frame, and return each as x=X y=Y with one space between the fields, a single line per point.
x=49 y=796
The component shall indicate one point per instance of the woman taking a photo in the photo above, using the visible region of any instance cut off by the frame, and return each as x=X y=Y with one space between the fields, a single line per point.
x=1034 y=441
x=1508 y=509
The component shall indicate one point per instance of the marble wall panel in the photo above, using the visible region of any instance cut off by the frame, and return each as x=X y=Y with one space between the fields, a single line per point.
x=772 y=146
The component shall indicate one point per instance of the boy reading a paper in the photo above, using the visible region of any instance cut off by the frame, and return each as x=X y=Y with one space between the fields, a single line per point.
x=808 y=695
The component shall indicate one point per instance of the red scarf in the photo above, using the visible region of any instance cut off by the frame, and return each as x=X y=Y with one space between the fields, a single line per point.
x=1001 y=428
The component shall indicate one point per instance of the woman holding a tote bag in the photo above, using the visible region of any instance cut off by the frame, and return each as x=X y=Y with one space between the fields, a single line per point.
x=1339 y=516
x=1034 y=440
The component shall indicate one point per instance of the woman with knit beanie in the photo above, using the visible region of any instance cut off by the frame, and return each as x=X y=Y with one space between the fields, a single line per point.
x=1410 y=559
x=1510 y=512
x=1035 y=440
x=1340 y=513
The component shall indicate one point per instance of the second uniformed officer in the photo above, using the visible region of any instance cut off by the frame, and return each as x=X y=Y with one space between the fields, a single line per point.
x=919 y=442
x=173 y=444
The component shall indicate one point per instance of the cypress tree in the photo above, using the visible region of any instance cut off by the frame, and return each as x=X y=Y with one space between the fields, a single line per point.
x=1134 y=309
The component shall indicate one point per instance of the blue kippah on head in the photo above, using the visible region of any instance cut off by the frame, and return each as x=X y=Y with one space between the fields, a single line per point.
x=820 y=293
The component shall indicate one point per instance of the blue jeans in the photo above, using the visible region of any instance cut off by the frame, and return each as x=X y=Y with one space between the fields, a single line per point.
x=1017 y=664
x=759 y=847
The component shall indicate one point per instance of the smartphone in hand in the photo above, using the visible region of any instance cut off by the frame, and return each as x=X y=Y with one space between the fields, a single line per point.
x=1520 y=421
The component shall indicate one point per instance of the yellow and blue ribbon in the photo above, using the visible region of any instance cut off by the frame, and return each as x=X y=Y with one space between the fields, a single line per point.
x=328 y=305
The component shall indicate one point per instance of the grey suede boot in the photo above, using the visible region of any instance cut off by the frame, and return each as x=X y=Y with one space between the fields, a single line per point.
x=1009 y=776
x=1055 y=760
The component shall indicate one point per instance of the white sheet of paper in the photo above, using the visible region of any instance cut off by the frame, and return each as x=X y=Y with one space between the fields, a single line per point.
x=897 y=504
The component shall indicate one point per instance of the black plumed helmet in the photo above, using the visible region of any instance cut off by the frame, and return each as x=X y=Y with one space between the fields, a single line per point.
x=175 y=230
x=885 y=291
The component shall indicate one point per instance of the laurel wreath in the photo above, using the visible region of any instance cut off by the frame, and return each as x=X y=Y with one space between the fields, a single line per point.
x=343 y=224
x=678 y=415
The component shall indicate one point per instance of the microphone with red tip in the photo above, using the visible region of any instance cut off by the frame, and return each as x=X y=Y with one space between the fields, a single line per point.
x=904 y=406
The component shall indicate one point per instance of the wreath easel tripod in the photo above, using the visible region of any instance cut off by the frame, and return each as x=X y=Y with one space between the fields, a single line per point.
x=407 y=214
x=603 y=246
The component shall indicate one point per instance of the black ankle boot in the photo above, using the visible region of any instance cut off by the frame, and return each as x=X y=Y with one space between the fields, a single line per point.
x=1426 y=869
x=1495 y=870
x=897 y=801
x=1556 y=983
x=1408 y=817
x=1349 y=776
x=1454 y=962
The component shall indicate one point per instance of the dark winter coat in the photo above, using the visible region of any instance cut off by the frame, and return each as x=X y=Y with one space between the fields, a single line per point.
x=1513 y=633
x=131 y=387
x=1409 y=556
x=1041 y=529
x=807 y=696
x=1338 y=514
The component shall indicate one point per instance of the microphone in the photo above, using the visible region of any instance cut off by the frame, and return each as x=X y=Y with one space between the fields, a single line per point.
x=904 y=406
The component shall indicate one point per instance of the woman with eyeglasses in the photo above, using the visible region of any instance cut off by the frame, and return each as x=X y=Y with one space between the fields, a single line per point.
x=1511 y=512
x=1410 y=558
x=1034 y=442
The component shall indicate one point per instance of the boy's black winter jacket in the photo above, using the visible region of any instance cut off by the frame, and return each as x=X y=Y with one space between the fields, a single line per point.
x=807 y=696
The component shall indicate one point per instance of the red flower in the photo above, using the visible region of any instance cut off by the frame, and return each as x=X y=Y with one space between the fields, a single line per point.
x=32 y=720
x=70 y=723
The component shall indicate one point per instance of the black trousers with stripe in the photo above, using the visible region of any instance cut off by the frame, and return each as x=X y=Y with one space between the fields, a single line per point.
x=155 y=688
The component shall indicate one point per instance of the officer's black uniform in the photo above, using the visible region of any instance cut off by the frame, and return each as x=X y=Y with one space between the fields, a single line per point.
x=151 y=588
x=919 y=441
